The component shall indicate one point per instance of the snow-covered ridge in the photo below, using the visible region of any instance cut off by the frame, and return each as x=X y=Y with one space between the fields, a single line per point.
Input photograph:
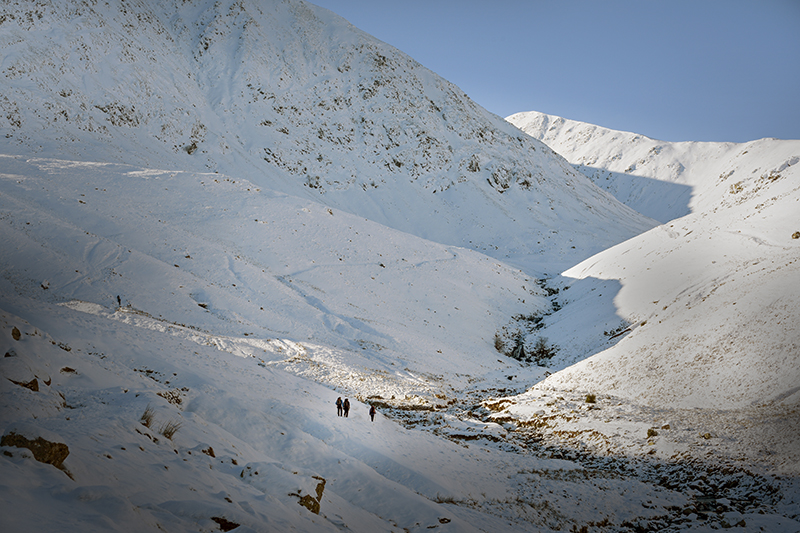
x=293 y=98
x=663 y=180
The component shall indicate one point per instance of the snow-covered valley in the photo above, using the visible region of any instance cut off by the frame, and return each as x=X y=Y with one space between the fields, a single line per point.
x=218 y=217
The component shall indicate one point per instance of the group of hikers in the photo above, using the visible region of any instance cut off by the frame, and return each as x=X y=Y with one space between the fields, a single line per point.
x=343 y=408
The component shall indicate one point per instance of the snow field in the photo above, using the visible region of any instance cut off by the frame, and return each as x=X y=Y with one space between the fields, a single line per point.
x=227 y=214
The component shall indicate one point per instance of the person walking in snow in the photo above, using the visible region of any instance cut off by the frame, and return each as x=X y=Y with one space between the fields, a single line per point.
x=346 y=406
x=372 y=412
x=339 y=406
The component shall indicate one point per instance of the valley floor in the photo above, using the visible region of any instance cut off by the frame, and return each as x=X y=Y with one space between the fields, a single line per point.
x=730 y=465
x=485 y=454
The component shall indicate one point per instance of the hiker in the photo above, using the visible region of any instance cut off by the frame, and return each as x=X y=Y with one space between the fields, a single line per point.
x=339 y=406
x=372 y=412
x=346 y=406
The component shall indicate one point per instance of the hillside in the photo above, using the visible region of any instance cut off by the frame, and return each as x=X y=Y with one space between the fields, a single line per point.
x=244 y=344
x=232 y=260
x=215 y=332
x=717 y=288
x=698 y=313
x=218 y=217
x=295 y=99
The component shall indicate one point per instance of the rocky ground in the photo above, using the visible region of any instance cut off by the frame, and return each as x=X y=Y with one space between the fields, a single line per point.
x=730 y=477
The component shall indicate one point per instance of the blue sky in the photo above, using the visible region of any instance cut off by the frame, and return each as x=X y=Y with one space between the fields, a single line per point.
x=675 y=70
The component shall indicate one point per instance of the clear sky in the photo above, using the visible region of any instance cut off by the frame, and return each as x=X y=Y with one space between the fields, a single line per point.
x=674 y=70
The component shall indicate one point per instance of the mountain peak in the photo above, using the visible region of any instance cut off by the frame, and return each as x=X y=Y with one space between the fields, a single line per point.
x=296 y=99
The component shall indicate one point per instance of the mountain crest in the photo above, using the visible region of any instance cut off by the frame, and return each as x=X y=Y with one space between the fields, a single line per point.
x=294 y=98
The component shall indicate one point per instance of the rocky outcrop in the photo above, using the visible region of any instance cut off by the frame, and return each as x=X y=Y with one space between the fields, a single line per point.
x=32 y=384
x=44 y=451
x=311 y=503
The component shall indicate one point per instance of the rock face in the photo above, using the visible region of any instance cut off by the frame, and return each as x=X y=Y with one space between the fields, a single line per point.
x=52 y=453
x=224 y=523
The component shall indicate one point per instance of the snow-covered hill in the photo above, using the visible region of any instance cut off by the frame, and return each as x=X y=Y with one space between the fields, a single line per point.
x=236 y=261
x=700 y=312
x=663 y=180
x=293 y=98
x=242 y=315
x=202 y=399
x=710 y=298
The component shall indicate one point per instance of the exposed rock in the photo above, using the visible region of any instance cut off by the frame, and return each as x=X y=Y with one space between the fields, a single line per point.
x=311 y=503
x=224 y=524
x=320 y=486
x=32 y=384
x=16 y=334
x=52 y=453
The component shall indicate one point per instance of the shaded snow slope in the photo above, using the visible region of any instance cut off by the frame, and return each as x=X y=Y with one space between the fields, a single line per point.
x=664 y=180
x=231 y=259
x=293 y=98
x=252 y=442
x=709 y=313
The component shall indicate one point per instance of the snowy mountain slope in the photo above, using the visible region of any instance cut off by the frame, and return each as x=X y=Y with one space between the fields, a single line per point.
x=698 y=312
x=194 y=264
x=664 y=180
x=251 y=294
x=712 y=306
x=293 y=98
x=253 y=441
x=230 y=259
x=685 y=341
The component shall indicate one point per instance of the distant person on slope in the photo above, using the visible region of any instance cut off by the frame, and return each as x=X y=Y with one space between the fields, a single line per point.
x=339 y=406
x=372 y=412
x=346 y=406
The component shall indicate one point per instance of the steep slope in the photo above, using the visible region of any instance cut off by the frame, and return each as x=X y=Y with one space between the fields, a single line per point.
x=663 y=180
x=293 y=98
x=699 y=312
x=711 y=305
x=680 y=343
x=236 y=262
